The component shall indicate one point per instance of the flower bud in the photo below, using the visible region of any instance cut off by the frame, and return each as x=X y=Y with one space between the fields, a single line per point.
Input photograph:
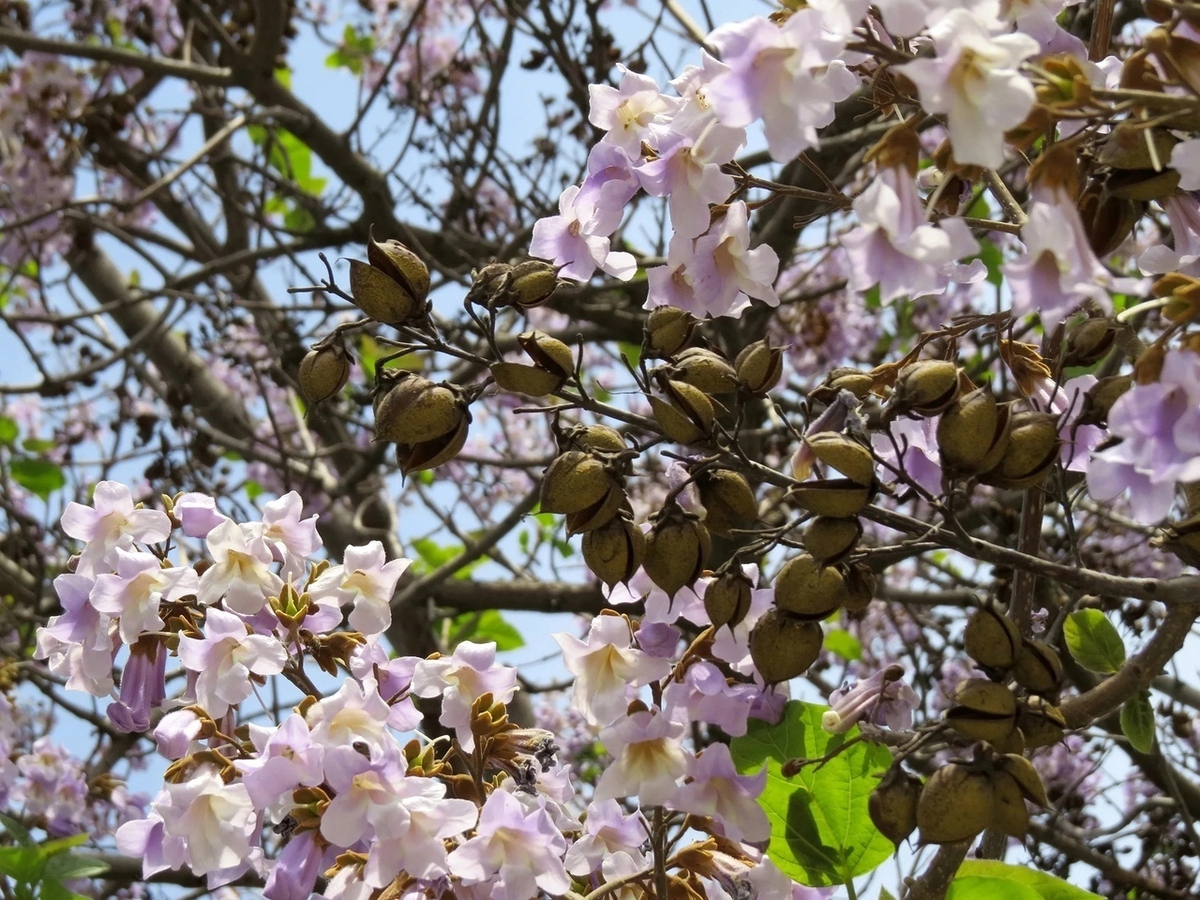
x=759 y=368
x=324 y=372
x=892 y=806
x=808 y=589
x=677 y=550
x=668 y=330
x=782 y=647
x=574 y=481
x=956 y=803
x=926 y=387
x=615 y=551
x=727 y=599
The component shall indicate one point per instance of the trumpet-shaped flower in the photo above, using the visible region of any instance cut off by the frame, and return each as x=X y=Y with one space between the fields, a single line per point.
x=462 y=679
x=240 y=571
x=112 y=522
x=367 y=580
x=715 y=789
x=225 y=658
x=134 y=593
x=650 y=758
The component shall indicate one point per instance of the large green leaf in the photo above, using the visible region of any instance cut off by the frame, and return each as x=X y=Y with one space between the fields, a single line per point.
x=821 y=833
x=1045 y=886
x=485 y=626
x=974 y=888
x=1137 y=721
x=1093 y=641
x=40 y=476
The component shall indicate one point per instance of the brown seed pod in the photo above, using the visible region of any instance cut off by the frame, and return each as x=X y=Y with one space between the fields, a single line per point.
x=598 y=514
x=728 y=500
x=401 y=265
x=1100 y=399
x=615 y=551
x=892 y=806
x=829 y=540
x=844 y=454
x=518 y=378
x=1038 y=667
x=1090 y=341
x=860 y=587
x=727 y=599
x=574 y=481
x=1032 y=450
x=1026 y=777
x=1010 y=813
x=759 y=368
x=324 y=372
x=705 y=369
x=531 y=283
x=836 y=497
x=956 y=803
x=926 y=387
x=782 y=647
x=992 y=639
x=669 y=329
x=412 y=410
x=809 y=590
x=973 y=434
x=1042 y=723
x=983 y=710
x=431 y=454
x=548 y=353
x=381 y=297
x=595 y=437
x=677 y=550
x=841 y=379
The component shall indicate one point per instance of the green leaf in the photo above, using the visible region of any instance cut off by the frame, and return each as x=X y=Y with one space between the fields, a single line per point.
x=253 y=490
x=8 y=430
x=974 y=888
x=73 y=865
x=843 y=643
x=62 y=845
x=40 y=476
x=1047 y=887
x=992 y=259
x=485 y=626
x=821 y=832
x=38 y=446
x=433 y=555
x=18 y=831
x=885 y=894
x=1137 y=721
x=1093 y=641
x=22 y=863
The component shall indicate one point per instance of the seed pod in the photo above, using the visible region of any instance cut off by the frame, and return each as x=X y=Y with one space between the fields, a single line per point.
x=973 y=434
x=381 y=297
x=860 y=587
x=782 y=647
x=956 y=803
x=759 y=368
x=1089 y=342
x=844 y=454
x=727 y=599
x=1032 y=449
x=1142 y=184
x=596 y=437
x=1132 y=146
x=926 y=387
x=1041 y=722
x=1107 y=220
x=401 y=265
x=1182 y=539
x=323 y=372
x=677 y=550
x=992 y=639
x=531 y=283
x=574 y=481
x=598 y=514
x=431 y=454
x=984 y=710
x=843 y=379
x=1038 y=667
x=669 y=329
x=1026 y=777
x=893 y=804
x=615 y=551
x=548 y=353
x=809 y=590
x=518 y=378
x=1013 y=742
x=836 y=497
x=728 y=500
x=705 y=369
x=414 y=410
x=829 y=539
x=687 y=415
x=1100 y=399
x=1011 y=815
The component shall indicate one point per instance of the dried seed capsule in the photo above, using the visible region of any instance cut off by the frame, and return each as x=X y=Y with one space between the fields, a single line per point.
x=596 y=437
x=668 y=329
x=992 y=639
x=1042 y=723
x=1038 y=667
x=926 y=387
x=783 y=647
x=957 y=802
x=829 y=539
x=984 y=710
x=727 y=599
x=324 y=372
x=431 y=454
x=809 y=590
x=1026 y=777
x=860 y=587
x=687 y=415
x=705 y=369
x=1033 y=446
x=615 y=551
x=531 y=283
x=413 y=410
x=893 y=804
x=401 y=265
x=1100 y=399
x=1011 y=815
x=843 y=379
x=574 y=481
x=677 y=550
x=759 y=368
x=728 y=499
x=598 y=514
x=380 y=296
x=836 y=497
x=973 y=433
x=518 y=378
x=548 y=353
x=1089 y=342
x=844 y=454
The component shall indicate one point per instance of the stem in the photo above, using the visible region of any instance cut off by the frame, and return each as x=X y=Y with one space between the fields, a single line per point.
x=935 y=881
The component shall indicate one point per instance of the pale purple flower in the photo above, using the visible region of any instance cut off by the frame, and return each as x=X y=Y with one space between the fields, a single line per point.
x=215 y=820
x=913 y=451
x=576 y=238
x=111 y=522
x=176 y=731
x=688 y=172
x=78 y=645
x=420 y=848
x=630 y=113
x=605 y=666
x=975 y=80
x=133 y=594
x=282 y=526
x=300 y=863
x=143 y=687
x=515 y=851
x=883 y=699
x=355 y=713
x=287 y=759
x=704 y=694
x=606 y=830
x=367 y=580
x=715 y=789
x=1067 y=400
x=896 y=248
x=198 y=514
x=1185 y=159
x=365 y=804
x=225 y=658
x=1183 y=214
x=240 y=571
x=650 y=758
x=1159 y=428
x=460 y=680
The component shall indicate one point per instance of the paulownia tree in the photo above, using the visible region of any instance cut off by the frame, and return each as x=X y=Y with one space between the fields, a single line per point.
x=834 y=363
